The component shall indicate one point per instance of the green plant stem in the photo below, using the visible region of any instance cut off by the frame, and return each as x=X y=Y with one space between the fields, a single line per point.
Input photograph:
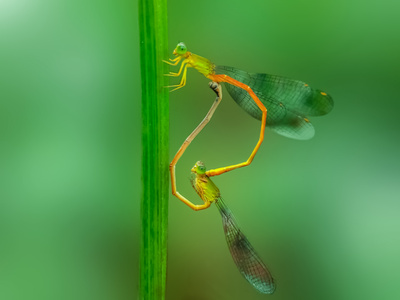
x=155 y=128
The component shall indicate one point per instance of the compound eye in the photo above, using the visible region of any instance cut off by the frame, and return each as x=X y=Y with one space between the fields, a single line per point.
x=181 y=48
x=200 y=169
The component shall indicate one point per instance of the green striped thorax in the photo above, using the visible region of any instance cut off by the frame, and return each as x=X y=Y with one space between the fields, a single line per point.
x=204 y=186
x=201 y=64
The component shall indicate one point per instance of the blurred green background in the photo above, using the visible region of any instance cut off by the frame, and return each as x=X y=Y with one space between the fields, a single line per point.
x=324 y=214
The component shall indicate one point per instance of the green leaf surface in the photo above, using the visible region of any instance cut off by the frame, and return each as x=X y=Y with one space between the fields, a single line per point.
x=155 y=127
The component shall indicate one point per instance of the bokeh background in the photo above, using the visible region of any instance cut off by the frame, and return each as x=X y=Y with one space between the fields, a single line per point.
x=323 y=214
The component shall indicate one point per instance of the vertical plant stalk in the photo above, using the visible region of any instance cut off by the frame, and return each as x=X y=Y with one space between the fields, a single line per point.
x=155 y=127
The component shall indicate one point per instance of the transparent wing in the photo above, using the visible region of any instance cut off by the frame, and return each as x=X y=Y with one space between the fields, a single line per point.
x=246 y=259
x=286 y=100
x=295 y=127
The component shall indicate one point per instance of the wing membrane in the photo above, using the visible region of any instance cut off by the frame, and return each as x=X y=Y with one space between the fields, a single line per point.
x=286 y=100
x=246 y=259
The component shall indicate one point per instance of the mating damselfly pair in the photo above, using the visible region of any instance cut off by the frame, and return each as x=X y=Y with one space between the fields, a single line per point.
x=282 y=104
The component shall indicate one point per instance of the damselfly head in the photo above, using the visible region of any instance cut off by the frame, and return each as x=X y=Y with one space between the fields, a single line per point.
x=180 y=49
x=199 y=168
